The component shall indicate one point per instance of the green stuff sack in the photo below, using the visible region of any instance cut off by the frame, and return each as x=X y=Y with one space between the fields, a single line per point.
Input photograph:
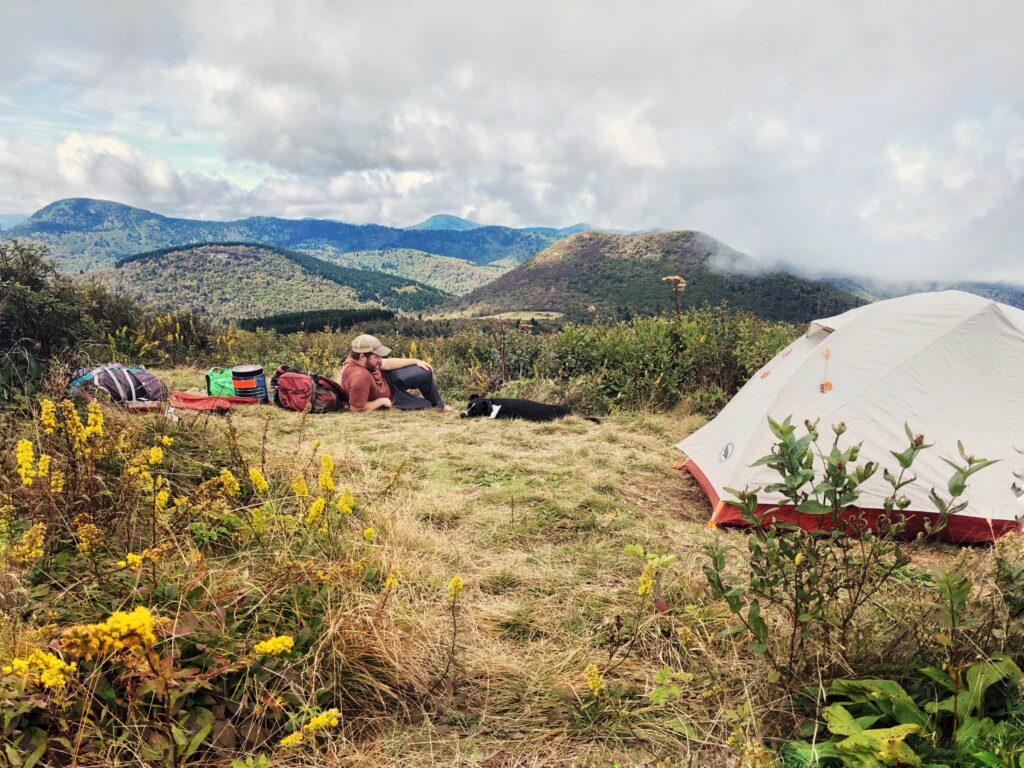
x=218 y=383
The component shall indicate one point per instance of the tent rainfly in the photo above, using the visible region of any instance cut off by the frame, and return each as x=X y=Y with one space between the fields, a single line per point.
x=948 y=364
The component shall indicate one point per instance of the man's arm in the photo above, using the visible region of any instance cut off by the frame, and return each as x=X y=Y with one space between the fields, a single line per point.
x=359 y=397
x=394 y=363
x=373 y=405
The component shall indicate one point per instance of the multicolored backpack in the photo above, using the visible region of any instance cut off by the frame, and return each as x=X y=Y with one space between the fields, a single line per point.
x=295 y=390
x=120 y=383
x=218 y=383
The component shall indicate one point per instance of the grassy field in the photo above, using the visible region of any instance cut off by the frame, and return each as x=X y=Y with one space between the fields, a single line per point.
x=535 y=518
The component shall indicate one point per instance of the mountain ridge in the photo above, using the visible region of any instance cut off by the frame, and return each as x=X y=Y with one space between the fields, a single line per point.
x=245 y=280
x=618 y=276
x=84 y=233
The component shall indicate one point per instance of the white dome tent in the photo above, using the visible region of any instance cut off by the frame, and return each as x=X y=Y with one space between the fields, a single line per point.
x=949 y=364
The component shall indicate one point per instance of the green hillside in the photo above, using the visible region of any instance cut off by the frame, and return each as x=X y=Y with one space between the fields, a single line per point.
x=448 y=274
x=245 y=280
x=83 y=234
x=621 y=276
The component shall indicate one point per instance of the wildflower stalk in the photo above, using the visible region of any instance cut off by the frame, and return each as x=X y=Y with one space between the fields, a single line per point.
x=632 y=640
x=454 y=588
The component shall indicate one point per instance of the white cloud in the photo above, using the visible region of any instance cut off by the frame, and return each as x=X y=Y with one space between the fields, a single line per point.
x=886 y=135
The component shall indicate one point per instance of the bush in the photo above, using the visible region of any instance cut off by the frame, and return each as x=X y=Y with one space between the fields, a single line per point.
x=211 y=598
x=45 y=317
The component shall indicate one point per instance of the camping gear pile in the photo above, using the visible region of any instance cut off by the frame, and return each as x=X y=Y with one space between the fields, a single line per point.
x=141 y=391
x=950 y=365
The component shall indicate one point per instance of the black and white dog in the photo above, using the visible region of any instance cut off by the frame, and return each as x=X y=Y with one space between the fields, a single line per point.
x=510 y=408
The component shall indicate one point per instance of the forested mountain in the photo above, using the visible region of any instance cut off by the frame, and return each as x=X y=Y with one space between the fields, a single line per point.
x=621 y=276
x=243 y=280
x=446 y=273
x=82 y=234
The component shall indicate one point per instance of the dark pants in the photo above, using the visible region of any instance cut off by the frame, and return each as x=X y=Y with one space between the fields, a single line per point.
x=413 y=377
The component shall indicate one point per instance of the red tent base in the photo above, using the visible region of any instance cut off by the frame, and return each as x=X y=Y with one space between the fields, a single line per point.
x=959 y=529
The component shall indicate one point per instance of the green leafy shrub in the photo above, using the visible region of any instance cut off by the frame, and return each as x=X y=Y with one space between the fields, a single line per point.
x=820 y=576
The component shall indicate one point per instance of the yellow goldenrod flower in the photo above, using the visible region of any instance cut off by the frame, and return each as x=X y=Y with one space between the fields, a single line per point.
x=41 y=669
x=275 y=646
x=798 y=559
x=292 y=739
x=391 y=582
x=29 y=547
x=369 y=533
x=595 y=682
x=167 y=440
x=121 y=631
x=156 y=454
x=161 y=498
x=259 y=482
x=133 y=560
x=315 y=444
x=94 y=417
x=328 y=719
x=326 y=478
x=56 y=481
x=646 y=582
x=48 y=416
x=75 y=428
x=316 y=512
x=299 y=487
x=229 y=483
x=25 y=455
x=43 y=465
x=345 y=502
x=258 y=520
x=455 y=586
x=88 y=533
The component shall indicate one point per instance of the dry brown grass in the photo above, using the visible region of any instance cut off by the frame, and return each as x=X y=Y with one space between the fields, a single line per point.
x=535 y=518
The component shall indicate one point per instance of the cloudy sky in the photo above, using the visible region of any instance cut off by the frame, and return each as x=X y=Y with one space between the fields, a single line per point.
x=882 y=137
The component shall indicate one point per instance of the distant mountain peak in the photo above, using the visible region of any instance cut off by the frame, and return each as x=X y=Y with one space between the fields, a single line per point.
x=446 y=221
x=620 y=276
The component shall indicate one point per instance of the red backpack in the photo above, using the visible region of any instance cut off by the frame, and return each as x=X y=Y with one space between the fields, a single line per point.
x=298 y=391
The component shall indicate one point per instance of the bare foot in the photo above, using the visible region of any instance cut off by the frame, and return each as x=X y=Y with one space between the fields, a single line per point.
x=447 y=409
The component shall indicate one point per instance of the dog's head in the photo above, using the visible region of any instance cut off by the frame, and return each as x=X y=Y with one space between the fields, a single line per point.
x=478 y=406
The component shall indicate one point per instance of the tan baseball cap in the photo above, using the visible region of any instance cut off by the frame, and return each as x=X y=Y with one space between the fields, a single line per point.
x=367 y=343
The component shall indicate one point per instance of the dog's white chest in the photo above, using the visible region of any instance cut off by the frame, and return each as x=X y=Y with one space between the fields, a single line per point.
x=494 y=411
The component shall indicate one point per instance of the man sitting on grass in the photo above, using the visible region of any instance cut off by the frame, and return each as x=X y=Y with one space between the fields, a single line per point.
x=373 y=380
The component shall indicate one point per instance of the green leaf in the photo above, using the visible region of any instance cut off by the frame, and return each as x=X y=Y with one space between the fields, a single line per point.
x=989 y=760
x=812 y=507
x=634 y=549
x=840 y=721
x=12 y=756
x=985 y=674
x=663 y=693
x=757 y=624
x=939 y=676
x=198 y=739
x=682 y=727
x=803 y=754
x=37 y=753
